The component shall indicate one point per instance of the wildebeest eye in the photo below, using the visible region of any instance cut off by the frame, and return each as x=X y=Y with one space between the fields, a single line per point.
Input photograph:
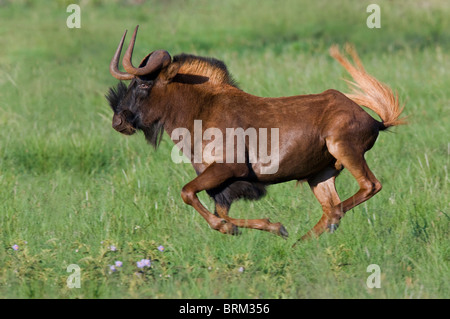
x=145 y=86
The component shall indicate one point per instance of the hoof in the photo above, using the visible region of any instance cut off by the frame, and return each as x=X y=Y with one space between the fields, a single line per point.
x=278 y=229
x=283 y=232
x=234 y=231
x=332 y=228
x=228 y=228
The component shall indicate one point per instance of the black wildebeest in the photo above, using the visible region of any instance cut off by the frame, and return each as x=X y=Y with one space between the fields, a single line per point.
x=319 y=134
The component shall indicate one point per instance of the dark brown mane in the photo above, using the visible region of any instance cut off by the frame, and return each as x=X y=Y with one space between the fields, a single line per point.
x=209 y=69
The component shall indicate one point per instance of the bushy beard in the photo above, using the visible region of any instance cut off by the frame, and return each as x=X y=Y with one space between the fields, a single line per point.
x=153 y=133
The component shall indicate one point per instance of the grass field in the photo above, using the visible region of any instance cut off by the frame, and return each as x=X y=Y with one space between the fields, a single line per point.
x=71 y=187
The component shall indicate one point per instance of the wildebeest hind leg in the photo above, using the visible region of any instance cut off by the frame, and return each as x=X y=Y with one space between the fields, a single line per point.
x=323 y=187
x=352 y=158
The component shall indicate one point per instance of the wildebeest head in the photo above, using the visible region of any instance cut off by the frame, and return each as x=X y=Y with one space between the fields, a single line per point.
x=131 y=103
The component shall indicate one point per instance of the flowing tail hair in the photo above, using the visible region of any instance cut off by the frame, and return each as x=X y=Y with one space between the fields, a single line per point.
x=368 y=91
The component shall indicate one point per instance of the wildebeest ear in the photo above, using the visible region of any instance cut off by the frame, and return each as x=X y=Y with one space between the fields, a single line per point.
x=170 y=72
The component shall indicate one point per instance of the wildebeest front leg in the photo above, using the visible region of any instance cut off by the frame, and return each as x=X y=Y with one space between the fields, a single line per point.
x=213 y=176
x=261 y=224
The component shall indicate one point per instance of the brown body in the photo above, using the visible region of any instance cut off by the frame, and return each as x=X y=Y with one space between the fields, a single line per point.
x=319 y=134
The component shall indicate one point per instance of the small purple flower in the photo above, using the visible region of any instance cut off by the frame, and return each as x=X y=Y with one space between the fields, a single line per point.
x=118 y=263
x=161 y=248
x=112 y=268
x=15 y=247
x=112 y=248
x=241 y=269
x=144 y=263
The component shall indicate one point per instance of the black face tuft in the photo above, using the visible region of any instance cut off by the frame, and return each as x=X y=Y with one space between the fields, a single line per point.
x=129 y=103
x=115 y=95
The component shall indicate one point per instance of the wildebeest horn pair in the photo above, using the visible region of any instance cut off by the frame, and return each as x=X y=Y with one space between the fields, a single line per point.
x=152 y=62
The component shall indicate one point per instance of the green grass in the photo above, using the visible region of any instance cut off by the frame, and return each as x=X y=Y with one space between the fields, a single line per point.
x=70 y=186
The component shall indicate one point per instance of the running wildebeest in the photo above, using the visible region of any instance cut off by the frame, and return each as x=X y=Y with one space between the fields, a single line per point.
x=319 y=134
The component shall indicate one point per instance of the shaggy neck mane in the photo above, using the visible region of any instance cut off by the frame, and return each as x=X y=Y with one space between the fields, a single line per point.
x=211 y=70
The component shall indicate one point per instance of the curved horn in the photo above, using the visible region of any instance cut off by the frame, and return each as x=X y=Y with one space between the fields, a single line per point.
x=156 y=60
x=114 y=65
